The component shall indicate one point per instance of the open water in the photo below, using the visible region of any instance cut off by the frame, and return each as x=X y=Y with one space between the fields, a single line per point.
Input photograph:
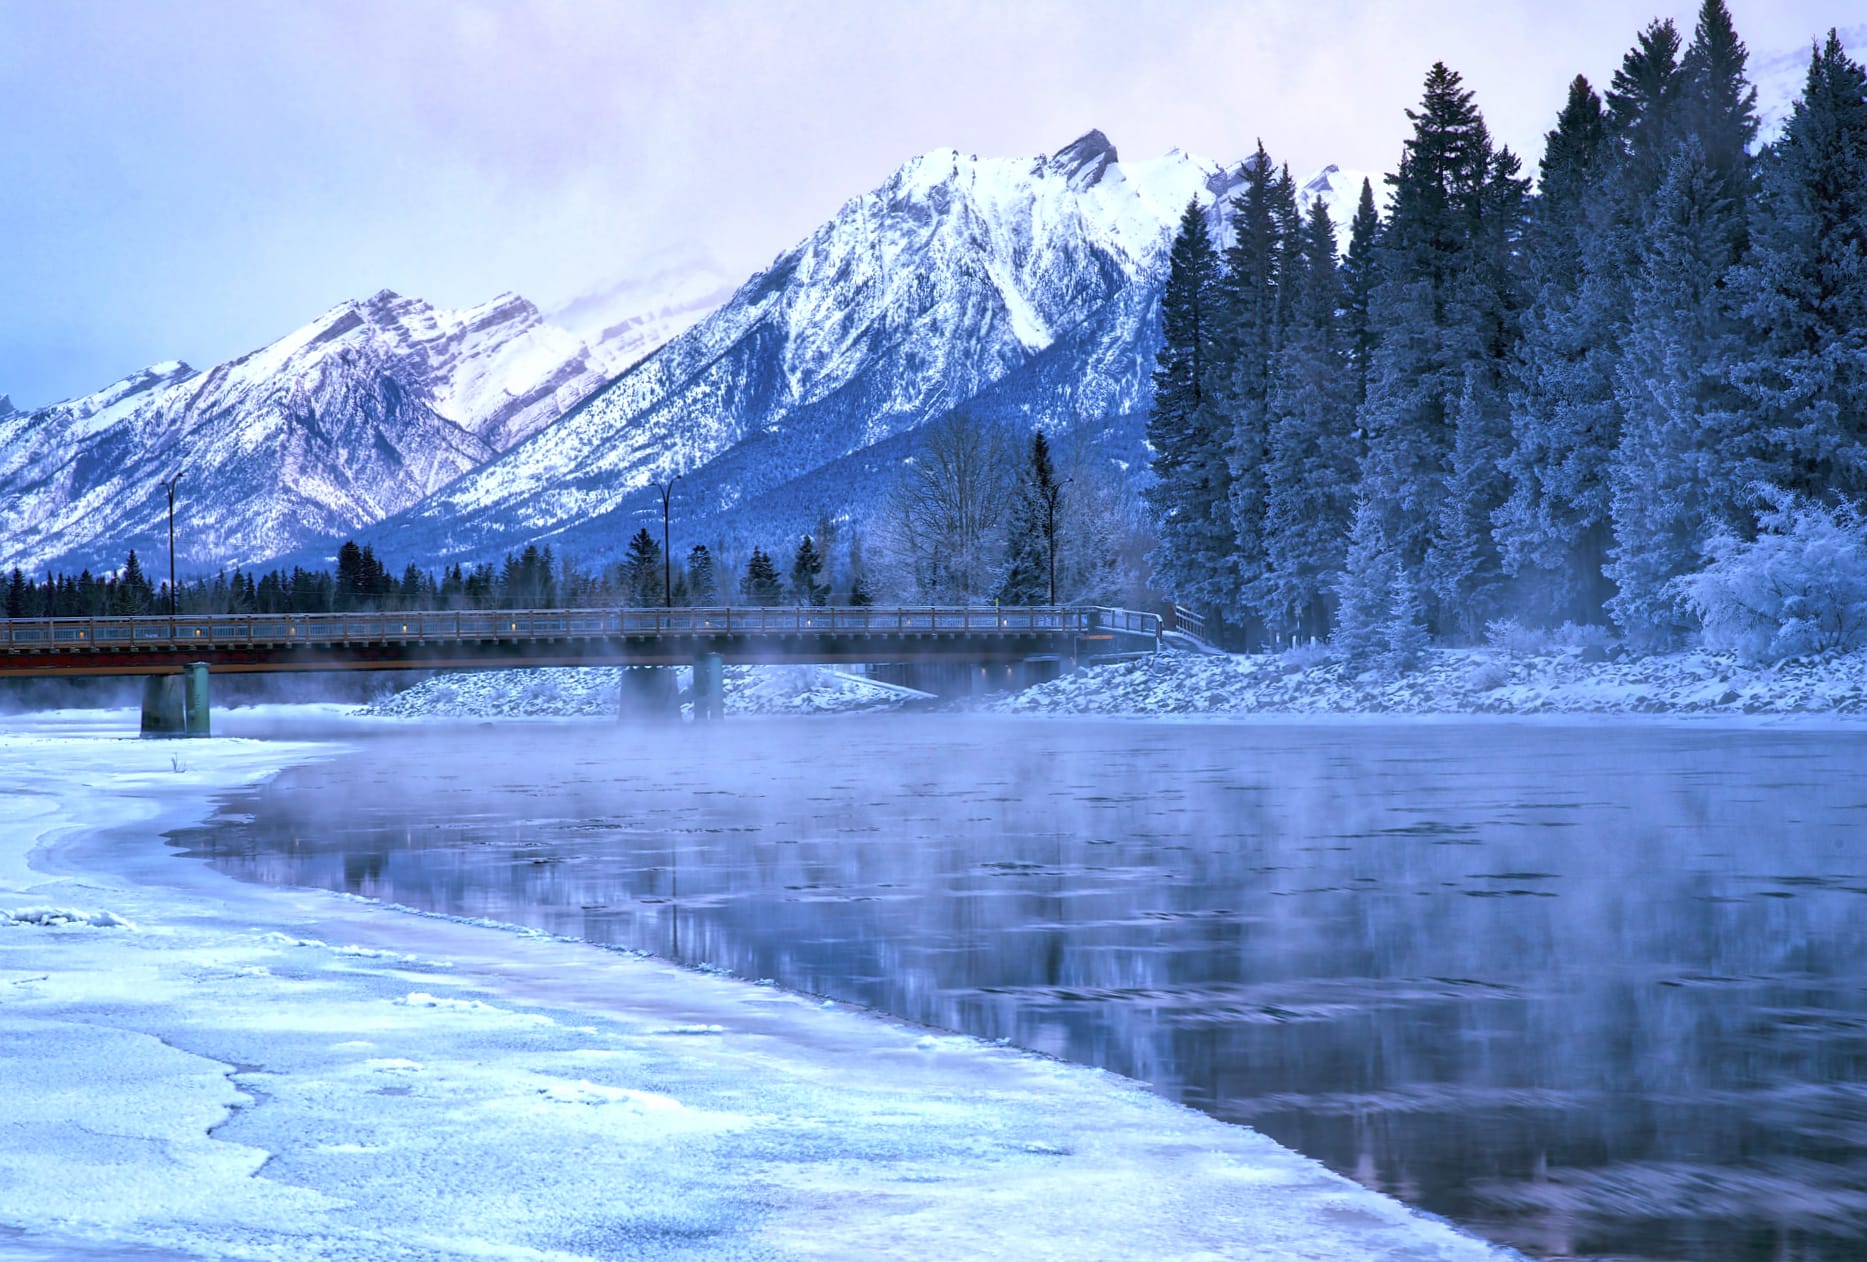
x=1594 y=990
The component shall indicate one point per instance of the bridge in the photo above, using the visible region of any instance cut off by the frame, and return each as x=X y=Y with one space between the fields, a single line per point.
x=935 y=641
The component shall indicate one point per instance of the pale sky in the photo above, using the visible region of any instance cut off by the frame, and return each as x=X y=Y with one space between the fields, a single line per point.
x=194 y=178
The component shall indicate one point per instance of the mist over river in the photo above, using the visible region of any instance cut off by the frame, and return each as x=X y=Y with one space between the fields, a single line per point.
x=1596 y=990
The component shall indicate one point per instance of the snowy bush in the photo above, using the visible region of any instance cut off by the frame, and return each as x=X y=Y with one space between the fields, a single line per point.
x=1799 y=587
x=1302 y=657
x=1486 y=675
x=1581 y=637
x=1512 y=636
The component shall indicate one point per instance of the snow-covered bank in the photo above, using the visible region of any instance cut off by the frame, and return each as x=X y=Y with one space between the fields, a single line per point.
x=1453 y=681
x=229 y=1071
x=591 y=692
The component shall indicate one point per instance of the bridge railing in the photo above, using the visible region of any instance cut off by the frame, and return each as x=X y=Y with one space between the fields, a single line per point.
x=222 y=630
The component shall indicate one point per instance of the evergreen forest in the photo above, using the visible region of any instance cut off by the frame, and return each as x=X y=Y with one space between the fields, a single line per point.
x=1556 y=403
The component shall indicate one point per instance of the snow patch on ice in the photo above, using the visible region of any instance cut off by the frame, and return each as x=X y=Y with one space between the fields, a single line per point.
x=55 y=917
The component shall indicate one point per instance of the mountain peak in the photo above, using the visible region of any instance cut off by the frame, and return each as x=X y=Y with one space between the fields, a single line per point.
x=6 y=406
x=1084 y=159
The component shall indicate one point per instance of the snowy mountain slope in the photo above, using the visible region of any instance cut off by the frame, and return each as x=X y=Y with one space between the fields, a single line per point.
x=955 y=275
x=624 y=323
x=353 y=417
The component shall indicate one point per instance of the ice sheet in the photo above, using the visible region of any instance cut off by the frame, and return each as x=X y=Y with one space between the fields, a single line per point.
x=217 y=1070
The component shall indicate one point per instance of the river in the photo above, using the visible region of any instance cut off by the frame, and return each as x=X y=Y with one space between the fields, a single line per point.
x=1596 y=990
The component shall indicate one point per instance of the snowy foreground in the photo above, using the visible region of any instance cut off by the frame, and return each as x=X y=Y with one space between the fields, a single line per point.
x=202 y=1068
x=1454 y=681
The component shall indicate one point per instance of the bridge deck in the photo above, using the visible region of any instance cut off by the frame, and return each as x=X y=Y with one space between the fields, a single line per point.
x=560 y=637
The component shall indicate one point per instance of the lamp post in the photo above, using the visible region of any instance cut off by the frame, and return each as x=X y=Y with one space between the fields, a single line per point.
x=1052 y=494
x=169 y=486
x=667 y=557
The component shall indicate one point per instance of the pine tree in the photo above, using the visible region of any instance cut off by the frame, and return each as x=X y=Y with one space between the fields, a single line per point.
x=136 y=595
x=642 y=577
x=1251 y=294
x=860 y=590
x=1403 y=636
x=1191 y=493
x=16 y=594
x=806 y=565
x=1313 y=454
x=703 y=581
x=1029 y=538
x=1720 y=105
x=1463 y=564
x=1686 y=442
x=1553 y=529
x=761 y=585
x=1365 y=591
x=1359 y=274
x=1446 y=305
x=1804 y=288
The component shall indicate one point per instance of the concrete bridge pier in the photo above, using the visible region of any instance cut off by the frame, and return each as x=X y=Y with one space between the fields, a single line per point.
x=709 y=687
x=164 y=711
x=195 y=699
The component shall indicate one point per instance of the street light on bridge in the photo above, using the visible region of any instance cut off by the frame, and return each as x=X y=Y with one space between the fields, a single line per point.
x=169 y=486
x=667 y=557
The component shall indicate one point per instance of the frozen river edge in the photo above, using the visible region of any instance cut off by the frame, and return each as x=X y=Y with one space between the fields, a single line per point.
x=202 y=1068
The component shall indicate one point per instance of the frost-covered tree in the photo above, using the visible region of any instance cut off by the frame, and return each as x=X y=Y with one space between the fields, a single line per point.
x=1445 y=305
x=945 y=517
x=806 y=566
x=1552 y=530
x=1191 y=492
x=1404 y=635
x=1463 y=564
x=1359 y=274
x=761 y=585
x=1030 y=534
x=1252 y=302
x=703 y=579
x=1803 y=289
x=642 y=571
x=1313 y=456
x=1687 y=440
x=1364 y=593
x=1799 y=587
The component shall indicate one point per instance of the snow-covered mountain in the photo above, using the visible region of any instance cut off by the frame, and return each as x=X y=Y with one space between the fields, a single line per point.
x=1020 y=288
x=356 y=416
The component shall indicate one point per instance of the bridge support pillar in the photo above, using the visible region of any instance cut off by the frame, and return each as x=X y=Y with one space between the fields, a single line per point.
x=709 y=687
x=163 y=710
x=194 y=698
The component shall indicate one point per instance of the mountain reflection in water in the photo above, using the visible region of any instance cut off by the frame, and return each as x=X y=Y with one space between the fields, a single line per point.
x=1594 y=991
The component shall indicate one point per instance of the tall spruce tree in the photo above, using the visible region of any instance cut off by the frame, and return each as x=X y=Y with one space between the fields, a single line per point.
x=703 y=580
x=1028 y=539
x=1359 y=274
x=1553 y=529
x=1678 y=469
x=642 y=581
x=1190 y=496
x=1364 y=592
x=1803 y=290
x=1251 y=288
x=761 y=585
x=1313 y=454
x=1445 y=305
x=806 y=566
